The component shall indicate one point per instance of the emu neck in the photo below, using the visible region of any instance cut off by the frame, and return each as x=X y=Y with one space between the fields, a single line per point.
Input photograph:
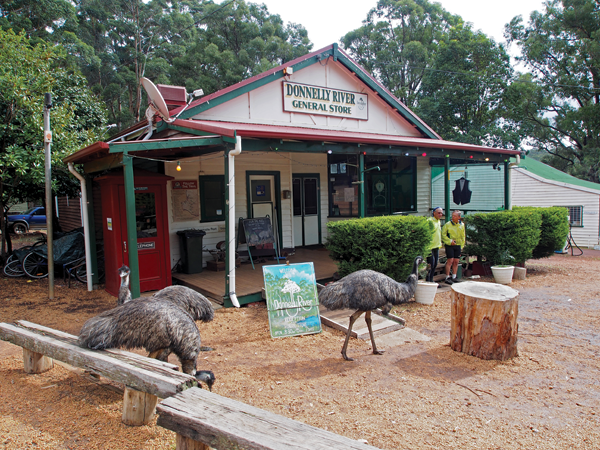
x=124 y=292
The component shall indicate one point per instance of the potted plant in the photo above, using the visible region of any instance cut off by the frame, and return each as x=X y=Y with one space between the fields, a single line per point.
x=503 y=268
x=425 y=291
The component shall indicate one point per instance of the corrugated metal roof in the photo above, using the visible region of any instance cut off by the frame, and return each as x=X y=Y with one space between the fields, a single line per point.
x=550 y=173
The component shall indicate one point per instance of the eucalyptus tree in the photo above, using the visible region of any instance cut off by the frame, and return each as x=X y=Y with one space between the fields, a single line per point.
x=27 y=72
x=398 y=41
x=559 y=99
x=463 y=91
x=236 y=40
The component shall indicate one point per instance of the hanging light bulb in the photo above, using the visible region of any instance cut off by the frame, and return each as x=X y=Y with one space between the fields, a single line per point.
x=178 y=166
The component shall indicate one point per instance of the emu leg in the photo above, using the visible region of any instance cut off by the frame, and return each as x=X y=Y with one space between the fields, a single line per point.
x=368 y=320
x=353 y=318
x=162 y=354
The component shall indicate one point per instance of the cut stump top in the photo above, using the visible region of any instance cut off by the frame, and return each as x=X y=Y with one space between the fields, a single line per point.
x=488 y=291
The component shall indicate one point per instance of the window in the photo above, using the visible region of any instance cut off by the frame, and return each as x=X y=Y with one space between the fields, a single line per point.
x=388 y=190
x=575 y=216
x=343 y=192
x=145 y=215
x=212 y=198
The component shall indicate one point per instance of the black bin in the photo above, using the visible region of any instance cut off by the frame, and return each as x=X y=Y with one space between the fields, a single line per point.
x=191 y=250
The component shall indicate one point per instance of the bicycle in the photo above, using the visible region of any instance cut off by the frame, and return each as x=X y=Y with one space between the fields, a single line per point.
x=14 y=263
x=78 y=268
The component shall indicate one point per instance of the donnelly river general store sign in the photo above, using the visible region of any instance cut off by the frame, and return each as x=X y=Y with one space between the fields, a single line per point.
x=303 y=98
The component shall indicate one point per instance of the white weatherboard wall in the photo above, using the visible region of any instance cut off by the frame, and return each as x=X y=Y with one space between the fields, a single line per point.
x=213 y=164
x=423 y=186
x=529 y=189
x=264 y=105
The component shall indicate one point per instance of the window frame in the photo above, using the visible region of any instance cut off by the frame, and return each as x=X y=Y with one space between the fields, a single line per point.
x=571 y=223
x=202 y=179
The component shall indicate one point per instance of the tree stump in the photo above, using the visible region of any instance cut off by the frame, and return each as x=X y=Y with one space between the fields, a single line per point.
x=484 y=320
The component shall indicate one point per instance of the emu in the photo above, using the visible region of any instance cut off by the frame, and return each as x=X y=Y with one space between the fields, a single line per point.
x=366 y=290
x=124 y=292
x=161 y=324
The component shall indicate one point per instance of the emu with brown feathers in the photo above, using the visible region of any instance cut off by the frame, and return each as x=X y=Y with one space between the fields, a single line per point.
x=366 y=290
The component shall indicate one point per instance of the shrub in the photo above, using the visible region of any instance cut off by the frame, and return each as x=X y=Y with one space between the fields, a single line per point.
x=494 y=235
x=554 y=230
x=387 y=244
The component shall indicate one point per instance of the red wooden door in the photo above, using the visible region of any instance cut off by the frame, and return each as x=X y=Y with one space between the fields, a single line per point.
x=151 y=225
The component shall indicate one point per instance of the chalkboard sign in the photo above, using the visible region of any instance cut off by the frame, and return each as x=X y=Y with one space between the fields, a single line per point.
x=257 y=231
x=292 y=300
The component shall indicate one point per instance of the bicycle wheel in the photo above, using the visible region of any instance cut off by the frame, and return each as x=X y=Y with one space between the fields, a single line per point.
x=14 y=269
x=80 y=273
x=35 y=266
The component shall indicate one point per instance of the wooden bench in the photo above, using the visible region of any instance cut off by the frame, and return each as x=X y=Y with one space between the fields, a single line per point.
x=203 y=419
x=145 y=379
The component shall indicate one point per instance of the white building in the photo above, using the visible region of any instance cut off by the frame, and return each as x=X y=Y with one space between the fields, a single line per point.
x=536 y=184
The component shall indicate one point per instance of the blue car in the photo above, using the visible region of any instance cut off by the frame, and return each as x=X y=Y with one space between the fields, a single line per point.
x=32 y=218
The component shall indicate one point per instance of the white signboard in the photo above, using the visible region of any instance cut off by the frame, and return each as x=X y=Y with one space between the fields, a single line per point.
x=303 y=98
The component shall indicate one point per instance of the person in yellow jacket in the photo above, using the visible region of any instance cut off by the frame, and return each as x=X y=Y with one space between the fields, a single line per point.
x=436 y=242
x=453 y=236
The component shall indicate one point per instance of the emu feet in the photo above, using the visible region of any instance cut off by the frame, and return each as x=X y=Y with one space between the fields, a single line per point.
x=346 y=357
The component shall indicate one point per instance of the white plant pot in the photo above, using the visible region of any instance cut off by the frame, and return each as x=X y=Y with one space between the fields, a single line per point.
x=425 y=292
x=503 y=274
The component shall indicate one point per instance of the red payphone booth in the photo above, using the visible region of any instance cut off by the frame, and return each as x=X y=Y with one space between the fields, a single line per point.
x=152 y=229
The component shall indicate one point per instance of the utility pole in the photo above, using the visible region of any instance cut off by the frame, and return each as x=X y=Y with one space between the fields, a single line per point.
x=48 y=177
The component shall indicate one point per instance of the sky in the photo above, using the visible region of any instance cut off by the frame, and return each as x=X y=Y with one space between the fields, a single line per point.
x=328 y=20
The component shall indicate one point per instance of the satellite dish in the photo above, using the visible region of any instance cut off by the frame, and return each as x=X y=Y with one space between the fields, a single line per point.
x=155 y=98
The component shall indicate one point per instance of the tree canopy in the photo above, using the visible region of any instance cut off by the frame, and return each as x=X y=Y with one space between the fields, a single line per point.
x=398 y=42
x=27 y=72
x=559 y=99
x=462 y=95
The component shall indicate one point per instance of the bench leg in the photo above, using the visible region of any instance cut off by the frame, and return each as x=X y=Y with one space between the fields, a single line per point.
x=139 y=407
x=185 y=443
x=36 y=362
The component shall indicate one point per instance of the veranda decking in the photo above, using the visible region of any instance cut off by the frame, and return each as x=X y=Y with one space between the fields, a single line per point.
x=249 y=282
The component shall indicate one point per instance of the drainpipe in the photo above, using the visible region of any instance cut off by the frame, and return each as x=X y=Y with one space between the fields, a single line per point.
x=86 y=226
x=231 y=219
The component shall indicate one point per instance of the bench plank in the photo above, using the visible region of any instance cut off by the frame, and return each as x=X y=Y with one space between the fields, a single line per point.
x=137 y=372
x=223 y=423
x=141 y=361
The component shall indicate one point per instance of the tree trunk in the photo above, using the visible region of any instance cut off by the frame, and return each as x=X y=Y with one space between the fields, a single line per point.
x=484 y=320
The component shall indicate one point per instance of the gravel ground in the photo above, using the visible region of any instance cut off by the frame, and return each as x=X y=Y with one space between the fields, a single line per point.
x=417 y=395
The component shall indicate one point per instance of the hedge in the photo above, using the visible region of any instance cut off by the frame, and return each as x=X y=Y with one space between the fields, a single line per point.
x=387 y=244
x=554 y=230
x=506 y=233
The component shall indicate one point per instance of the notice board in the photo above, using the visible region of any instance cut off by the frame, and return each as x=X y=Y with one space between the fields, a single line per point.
x=292 y=300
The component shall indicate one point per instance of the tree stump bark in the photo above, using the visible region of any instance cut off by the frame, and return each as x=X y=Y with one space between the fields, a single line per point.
x=484 y=320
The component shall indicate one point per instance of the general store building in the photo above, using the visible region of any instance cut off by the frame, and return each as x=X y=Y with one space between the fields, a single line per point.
x=312 y=141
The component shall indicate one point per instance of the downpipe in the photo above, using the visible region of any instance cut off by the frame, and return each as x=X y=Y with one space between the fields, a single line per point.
x=231 y=247
x=86 y=226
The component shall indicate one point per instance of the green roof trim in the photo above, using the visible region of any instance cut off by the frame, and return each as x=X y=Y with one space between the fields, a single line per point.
x=337 y=55
x=550 y=173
